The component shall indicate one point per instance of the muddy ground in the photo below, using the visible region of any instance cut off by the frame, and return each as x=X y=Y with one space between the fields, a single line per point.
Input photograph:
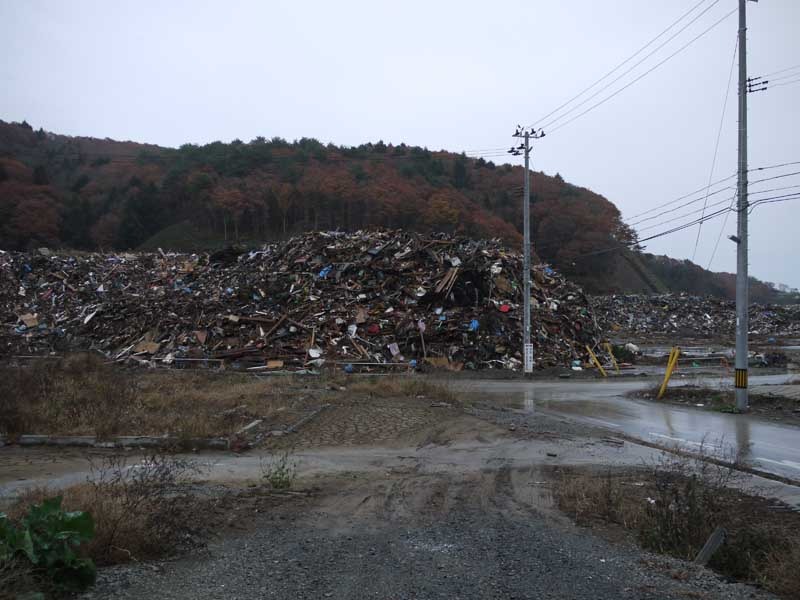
x=782 y=405
x=486 y=534
x=398 y=496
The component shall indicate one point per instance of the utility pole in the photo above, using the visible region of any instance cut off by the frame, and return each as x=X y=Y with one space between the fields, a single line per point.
x=525 y=148
x=742 y=301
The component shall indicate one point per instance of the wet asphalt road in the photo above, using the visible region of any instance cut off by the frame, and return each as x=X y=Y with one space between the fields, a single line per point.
x=771 y=447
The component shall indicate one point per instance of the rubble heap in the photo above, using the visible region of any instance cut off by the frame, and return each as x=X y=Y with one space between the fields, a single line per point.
x=689 y=315
x=346 y=299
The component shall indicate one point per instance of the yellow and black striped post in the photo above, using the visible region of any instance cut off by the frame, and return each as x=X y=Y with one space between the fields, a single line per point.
x=740 y=378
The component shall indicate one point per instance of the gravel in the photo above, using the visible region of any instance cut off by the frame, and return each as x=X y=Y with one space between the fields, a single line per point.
x=463 y=542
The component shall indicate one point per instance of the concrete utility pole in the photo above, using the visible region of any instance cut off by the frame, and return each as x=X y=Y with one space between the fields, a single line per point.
x=526 y=218
x=525 y=147
x=742 y=284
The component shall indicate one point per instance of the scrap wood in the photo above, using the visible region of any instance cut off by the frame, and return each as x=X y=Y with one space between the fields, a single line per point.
x=265 y=289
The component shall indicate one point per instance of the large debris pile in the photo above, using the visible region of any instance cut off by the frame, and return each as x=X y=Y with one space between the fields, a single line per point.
x=689 y=316
x=350 y=299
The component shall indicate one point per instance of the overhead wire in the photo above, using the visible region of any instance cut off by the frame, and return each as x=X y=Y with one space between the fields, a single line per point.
x=678 y=199
x=716 y=144
x=680 y=206
x=721 y=230
x=717 y=203
x=677 y=228
x=778 y=166
x=774 y=79
x=657 y=65
x=774 y=199
x=708 y=187
x=755 y=182
x=623 y=63
x=551 y=122
x=781 y=71
x=785 y=83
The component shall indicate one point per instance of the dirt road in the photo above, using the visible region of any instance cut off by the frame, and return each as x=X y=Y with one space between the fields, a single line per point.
x=405 y=498
x=485 y=534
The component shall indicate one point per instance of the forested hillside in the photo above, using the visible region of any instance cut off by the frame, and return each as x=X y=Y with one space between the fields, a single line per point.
x=89 y=194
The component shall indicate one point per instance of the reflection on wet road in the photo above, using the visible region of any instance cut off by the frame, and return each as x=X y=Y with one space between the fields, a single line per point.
x=772 y=447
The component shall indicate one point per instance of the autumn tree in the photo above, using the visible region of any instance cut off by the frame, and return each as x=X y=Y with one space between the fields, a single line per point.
x=233 y=203
x=284 y=196
x=40 y=176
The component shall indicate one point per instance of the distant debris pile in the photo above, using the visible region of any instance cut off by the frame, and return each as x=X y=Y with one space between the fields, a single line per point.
x=351 y=300
x=690 y=316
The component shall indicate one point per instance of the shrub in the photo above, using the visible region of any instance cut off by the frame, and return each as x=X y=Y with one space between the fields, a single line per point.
x=45 y=545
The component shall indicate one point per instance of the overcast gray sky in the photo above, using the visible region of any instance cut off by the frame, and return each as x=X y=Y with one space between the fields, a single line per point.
x=457 y=75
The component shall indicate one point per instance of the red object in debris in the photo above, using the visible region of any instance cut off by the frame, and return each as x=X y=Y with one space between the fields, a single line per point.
x=374 y=329
x=505 y=308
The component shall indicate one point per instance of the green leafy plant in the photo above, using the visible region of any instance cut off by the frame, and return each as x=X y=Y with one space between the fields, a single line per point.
x=47 y=537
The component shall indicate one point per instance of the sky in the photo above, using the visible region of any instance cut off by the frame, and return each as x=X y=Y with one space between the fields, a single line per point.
x=454 y=75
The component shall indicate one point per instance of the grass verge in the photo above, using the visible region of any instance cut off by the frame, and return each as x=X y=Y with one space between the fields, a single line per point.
x=706 y=398
x=82 y=395
x=399 y=386
x=673 y=506
x=143 y=510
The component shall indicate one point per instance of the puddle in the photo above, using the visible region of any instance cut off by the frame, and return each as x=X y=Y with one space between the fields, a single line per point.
x=533 y=400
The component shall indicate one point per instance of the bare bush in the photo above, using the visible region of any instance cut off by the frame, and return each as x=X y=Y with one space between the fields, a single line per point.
x=141 y=509
x=77 y=392
x=673 y=505
x=82 y=394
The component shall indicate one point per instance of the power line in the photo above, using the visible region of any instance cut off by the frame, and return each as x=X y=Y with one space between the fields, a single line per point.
x=624 y=73
x=683 y=216
x=702 y=189
x=774 y=199
x=677 y=228
x=707 y=217
x=721 y=230
x=680 y=206
x=716 y=145
x=723 y=201
x=775 y=177
x=774 y=79
x=623 y=63
x=785 y=83
x=781 y=71
x=778 y=166
x=678 y=51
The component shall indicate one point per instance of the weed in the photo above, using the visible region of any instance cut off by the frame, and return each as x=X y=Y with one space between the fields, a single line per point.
x=141 y=510
x=82 y=395
x=403 y=386
x=44 y=545
x=673 y=505
x=280 y=470
x=77 y=391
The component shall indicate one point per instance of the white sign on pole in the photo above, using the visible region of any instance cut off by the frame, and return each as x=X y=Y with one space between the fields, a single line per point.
x=529 y=358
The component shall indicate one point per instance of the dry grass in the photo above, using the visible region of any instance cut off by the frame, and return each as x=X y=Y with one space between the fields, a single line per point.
x=81 y=395
x=141 y=511
x=673 y=507
x=709 y=398
x=400 y=386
